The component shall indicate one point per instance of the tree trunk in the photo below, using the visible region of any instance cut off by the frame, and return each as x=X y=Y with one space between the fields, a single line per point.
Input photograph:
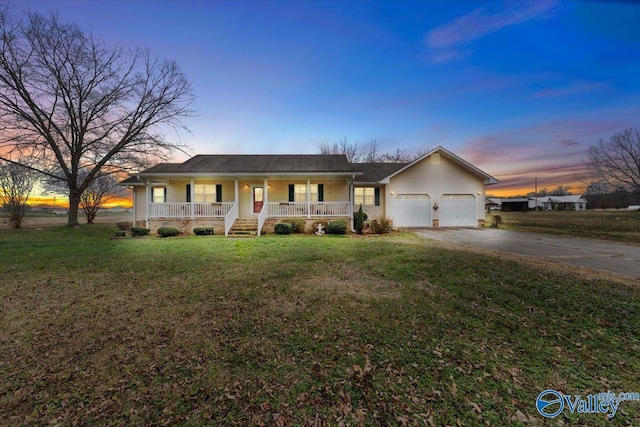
x=74 y=202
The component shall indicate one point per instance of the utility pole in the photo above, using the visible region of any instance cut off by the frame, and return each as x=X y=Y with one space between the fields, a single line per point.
x=536 y=191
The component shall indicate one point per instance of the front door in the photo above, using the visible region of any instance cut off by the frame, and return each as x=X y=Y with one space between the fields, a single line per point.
x=258 y=199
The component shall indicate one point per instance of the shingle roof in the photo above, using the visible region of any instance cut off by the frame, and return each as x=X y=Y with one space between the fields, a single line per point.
x=259 y=164
x=132 y=180
x=375 y=172
x=164 y=168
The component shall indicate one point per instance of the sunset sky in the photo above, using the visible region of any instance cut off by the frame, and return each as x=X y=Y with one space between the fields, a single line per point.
x=520 y=89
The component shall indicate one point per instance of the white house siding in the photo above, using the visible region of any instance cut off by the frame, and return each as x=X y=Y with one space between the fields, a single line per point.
x=140 y=201
x=177 y=191
x=371 y=210
x=436 y=178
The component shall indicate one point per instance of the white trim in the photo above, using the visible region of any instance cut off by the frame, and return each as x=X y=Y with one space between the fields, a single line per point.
x=488 y=179
x=148 y=204
x=308 y=198
x=192 y=197
x=248 y=175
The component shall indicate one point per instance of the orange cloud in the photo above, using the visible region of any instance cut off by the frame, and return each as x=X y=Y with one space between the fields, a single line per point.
x=62 y=202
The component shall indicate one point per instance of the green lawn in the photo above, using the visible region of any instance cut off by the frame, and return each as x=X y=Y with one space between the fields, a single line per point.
x=288 y=330
x=621 y=226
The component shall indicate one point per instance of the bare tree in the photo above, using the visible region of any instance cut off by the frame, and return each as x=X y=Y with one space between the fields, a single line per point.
x=617 y=161
x=371 y=152
x=400 y=156
x=560 y=190
x=343 y=146
x=16 y=184
x=101 y=190
x=71 y=102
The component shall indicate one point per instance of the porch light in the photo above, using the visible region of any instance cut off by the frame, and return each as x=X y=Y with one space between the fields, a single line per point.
x=391 y=193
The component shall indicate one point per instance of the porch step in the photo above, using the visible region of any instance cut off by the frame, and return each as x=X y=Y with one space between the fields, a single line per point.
x=244 y=227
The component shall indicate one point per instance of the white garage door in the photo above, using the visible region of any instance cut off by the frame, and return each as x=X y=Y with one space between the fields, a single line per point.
x=412 y=210
x=458 y=210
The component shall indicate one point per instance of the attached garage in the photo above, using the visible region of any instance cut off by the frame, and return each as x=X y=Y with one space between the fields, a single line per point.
x=412 y=210
x=458 y=210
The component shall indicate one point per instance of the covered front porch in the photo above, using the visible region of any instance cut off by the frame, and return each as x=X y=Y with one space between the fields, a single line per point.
x=226 y=201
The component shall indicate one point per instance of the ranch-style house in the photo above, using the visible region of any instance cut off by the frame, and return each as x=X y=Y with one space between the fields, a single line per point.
x=439 y=189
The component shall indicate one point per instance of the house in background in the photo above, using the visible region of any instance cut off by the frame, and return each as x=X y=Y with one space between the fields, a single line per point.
x=547 y=203
x=563 y=203
x=232 y=192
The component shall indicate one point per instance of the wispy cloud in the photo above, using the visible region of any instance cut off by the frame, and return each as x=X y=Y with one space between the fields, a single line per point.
x=572 y=89
x=569 y=142
x=447 y=41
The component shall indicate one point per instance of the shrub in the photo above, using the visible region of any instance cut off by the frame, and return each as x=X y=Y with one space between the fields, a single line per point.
x=139 y=231
x=203 y=231
x=496 y=220
x=337 y=227
x=120 y=233
x=283 y=228
x=380 y=225
x=358 y=220
x=365 y=217
x=298 y=224
x=168 y=231
x=124 y=225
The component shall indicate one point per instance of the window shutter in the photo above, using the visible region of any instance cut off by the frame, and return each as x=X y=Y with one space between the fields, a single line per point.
x=291 y=192
x=321 y=192
x=218 y=193
x=376 y=196
x=165 y=195
x=188 y=199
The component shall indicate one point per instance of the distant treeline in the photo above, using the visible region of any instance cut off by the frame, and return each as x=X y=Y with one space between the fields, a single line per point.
x=615 y=200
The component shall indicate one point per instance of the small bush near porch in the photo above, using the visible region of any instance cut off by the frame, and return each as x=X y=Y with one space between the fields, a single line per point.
x=297 y=331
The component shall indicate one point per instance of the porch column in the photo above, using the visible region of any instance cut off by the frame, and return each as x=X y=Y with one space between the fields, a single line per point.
x=192 y=198
x=351 y=199
x=236 y=194
x=133 y=208
x=148 y=187
x=265 y=198
x=308 y=198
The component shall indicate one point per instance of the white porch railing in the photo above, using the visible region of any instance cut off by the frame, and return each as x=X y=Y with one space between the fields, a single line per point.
x=262 y=216
x=303 y=209
x=230 y=218
x=184 y=210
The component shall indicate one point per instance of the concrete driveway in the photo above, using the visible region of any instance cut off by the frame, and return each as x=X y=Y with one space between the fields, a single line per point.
x=597 y=254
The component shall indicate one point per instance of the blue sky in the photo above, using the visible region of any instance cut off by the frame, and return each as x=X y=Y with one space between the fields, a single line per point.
x=520 y=89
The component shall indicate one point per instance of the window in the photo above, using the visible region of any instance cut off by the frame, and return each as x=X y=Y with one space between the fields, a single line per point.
x=366 y=196
x=205 y=193
x=298 y=192
x=159 y=195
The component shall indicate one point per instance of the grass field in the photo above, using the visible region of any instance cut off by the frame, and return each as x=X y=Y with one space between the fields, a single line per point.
x=621 y=226
x=288 y=330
